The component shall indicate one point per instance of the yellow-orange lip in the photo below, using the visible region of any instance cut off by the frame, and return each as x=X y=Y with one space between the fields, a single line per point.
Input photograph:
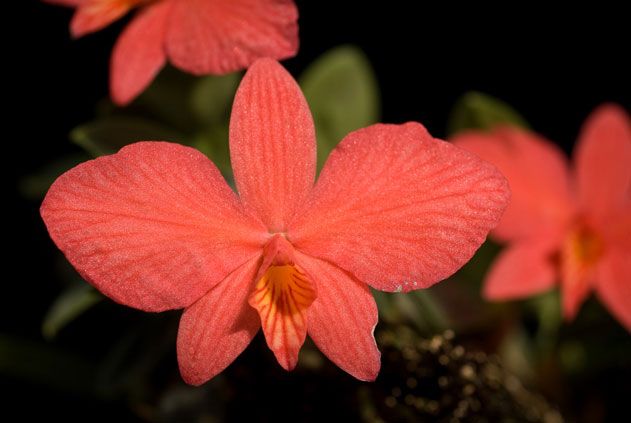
x=580 y=252
x=282 y=296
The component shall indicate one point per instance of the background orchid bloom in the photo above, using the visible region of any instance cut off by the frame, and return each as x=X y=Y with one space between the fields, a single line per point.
x=572 y=225
x=197 y=36
x=156 y=227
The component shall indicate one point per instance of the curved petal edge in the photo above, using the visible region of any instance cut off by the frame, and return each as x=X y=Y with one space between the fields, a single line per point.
x=154 y=226
x=399 y=209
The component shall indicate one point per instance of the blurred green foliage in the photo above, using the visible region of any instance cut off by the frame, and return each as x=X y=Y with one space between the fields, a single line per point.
x=343 y=94
x=475 y=110
x=70 y=304
x=108 y=134
x=35 y=186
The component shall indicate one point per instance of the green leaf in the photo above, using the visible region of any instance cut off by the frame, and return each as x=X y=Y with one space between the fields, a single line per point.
x=213 y=142
x=167 y=100
x=68 y=306
x=387 y=309
x=417 y=307
x=547 y=308
x=211 y=98
x=476 y=110
x=424 y=310
x=109 y=134
x=343 y=94
x=573 y=356
x=475 y=270
x=34 y=186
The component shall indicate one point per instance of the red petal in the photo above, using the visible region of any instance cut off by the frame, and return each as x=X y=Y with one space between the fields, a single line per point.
x=603 y=161
x=613 y=284
x=538 y=175
x=222 y=36
x=616 y=228
x=342 y=319
x=218 y=327
x=399 y=209
x=272 y=143
x=139 y=53
x=93 y=15
x=574 y=289
x=524 y=269
x=154 y=226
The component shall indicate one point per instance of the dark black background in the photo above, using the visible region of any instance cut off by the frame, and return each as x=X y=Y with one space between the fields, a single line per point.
x=554 y=66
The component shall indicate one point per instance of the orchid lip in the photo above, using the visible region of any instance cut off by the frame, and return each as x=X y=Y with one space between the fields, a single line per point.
x=580 y=253
x=282 y=294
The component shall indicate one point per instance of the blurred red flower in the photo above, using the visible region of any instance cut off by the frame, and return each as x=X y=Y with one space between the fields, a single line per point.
x=567 y=224
x=197 y=36
x=156 y=227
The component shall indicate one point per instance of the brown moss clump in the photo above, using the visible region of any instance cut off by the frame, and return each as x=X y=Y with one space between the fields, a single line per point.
x=437 y=380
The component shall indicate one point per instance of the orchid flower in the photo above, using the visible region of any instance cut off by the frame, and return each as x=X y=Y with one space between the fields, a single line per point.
x=197 y=36
x=571 y=225
x=156 y=227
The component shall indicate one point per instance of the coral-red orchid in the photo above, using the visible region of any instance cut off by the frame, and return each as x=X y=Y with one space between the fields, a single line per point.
x=197 y=36
x=567 y=225
x=156 y=227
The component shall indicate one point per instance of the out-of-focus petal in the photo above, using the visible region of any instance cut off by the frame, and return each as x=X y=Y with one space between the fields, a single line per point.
x=399 y=209
x=521 y=270
x=578 y=258
x=613 y=284
x=154 y=226
x=218 y=327
x=139 y=52
x=93 y=15
x=222 y=36
x=272 y=144
x=603 y=161
x=342 y=319
x=538 y=175
x=616 y=227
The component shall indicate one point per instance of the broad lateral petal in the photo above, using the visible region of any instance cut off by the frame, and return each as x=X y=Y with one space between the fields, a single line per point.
x=342 y=319
x=272 y=143
x=218 y=327
x=537 y=173
x=613 y=284
x=93 y=15
x=139 y=52
x=154 y=226
x=222 y=36
x=399 y=209
x=603 y=161
x=521 y=270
